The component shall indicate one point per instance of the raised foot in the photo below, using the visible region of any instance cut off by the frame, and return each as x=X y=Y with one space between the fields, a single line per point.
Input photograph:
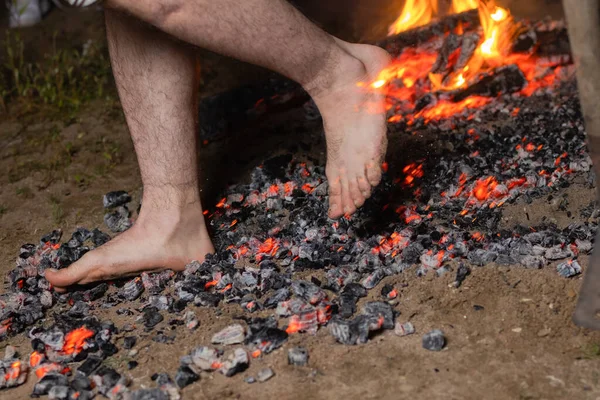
x=355 y=128
x=152 y=244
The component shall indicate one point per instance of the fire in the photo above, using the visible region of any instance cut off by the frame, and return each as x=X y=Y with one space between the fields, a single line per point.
x=414 y=14
x=498 y=30
x=75 y=340
x=459 y=6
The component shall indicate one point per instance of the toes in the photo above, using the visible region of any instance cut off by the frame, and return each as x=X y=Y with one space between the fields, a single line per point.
x=66 y=277
x=347 y=201
x=355 y=193
x=364 y=186
x=373 y=172
x=335 y=198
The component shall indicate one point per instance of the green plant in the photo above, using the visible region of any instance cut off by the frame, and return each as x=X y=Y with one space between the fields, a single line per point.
x=58 y=213
x=591 y=350
x=24 y=192
x=3 y=210
x=64 y=80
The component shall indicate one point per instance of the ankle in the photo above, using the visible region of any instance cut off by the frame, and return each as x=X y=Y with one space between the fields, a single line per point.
x=340 y=69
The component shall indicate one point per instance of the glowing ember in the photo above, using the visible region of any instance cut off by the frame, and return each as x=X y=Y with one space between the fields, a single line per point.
x=484 y=188
x=75 y=340
x=35 y=359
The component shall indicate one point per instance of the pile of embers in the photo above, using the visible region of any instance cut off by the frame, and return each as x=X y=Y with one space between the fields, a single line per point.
x=433 y=215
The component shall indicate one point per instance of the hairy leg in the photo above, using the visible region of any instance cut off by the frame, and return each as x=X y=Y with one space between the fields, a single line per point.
x=156 y=79
x=273 y=34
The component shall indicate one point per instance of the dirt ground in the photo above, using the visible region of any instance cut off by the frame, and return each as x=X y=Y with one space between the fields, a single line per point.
x=520 y=345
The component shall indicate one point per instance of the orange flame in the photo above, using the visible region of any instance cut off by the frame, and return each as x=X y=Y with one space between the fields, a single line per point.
x=75 y=340
x=414 y=14
x=498 y=30
x=459 y=6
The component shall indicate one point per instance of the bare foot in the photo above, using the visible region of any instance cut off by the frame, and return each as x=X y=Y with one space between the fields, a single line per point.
x=168 y=239
x=355 y=127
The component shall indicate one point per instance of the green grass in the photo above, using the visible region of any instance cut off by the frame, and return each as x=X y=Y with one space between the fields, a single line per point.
x=24 y=192
x=58 y=214
x=591 y=350
x=62 y=82
x=3 y=210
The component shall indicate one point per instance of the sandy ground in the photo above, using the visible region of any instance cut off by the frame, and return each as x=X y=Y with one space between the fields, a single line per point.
x=521 y=345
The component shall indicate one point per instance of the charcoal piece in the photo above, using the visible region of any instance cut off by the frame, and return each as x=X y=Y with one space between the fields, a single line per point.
x=154 y=283
x=58 y=392
x=434 y=340
x=96 y=292
x=461 y=274
x=236 y=362
x=79 y=310
x=277 y=297
x=380 y=309
x=266 y=339
x=502 y=80
x=27 y=250
x=250 y=380
x=129 y=342
x=52 y=237
x=373 y=279
x=118 y=220
x=162 y=338
x=351 y=332
x=205 y=299
x=148 y=394
x=412 y=253
x=558 y=252
x=525 y=41
x=553 y=42
x=389 y=292
x=132 y=364
x=339 y=277
x=308 y=291
x=469 y=44
x=265 y=374
x=79 y=237
x=151 y=317
x=298 y=356
x=481 y=257
x=404 y=329
x=80 y=382
x=533 y=261
x=191 y=322
x=160 y=302
x=99 y=237
x=48 y=381
x=115 y=199
x=347 y=305
x=206 y=358
x=132 y=289
x=230 y=335
x=90 y=364
x=106 y=380
x=451 y=43
x=108 y=349
x=185 y=376
x=568 y=269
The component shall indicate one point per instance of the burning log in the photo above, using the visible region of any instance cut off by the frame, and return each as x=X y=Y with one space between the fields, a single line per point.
x=502 y=80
